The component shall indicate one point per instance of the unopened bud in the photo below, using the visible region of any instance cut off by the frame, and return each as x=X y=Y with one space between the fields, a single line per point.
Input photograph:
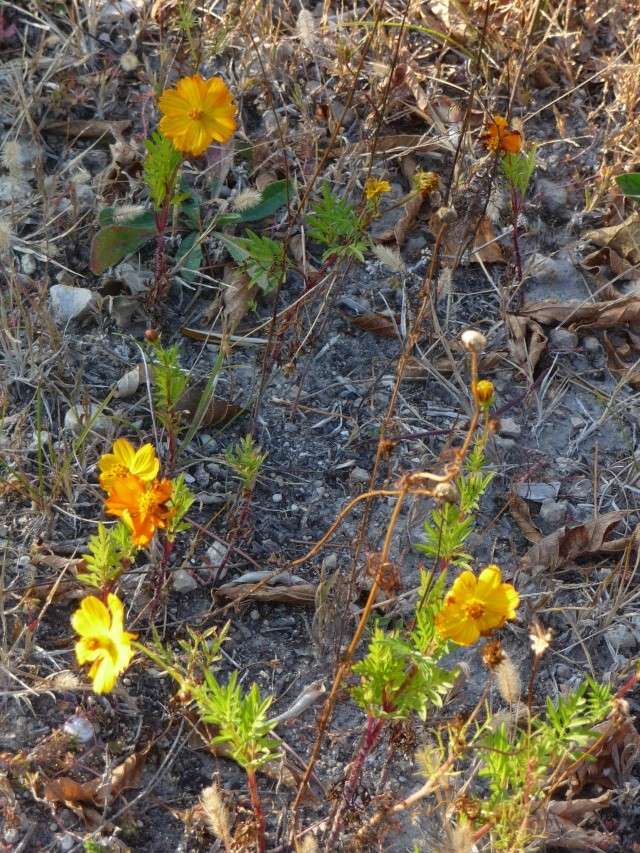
x=446 y=493
x=151 y=335
x=473 y=341
x=484 y=392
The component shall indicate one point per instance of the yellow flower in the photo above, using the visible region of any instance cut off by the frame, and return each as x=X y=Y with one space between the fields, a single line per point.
x=142 y=506
x=196 y=113
x=484 y=392
x=500 y=137
x=124 y=459
x=375 y=187
x=103 y=641
x=425 y=182
x=474 y=606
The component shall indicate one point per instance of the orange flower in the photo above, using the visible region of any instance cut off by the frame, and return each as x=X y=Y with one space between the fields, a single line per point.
x=500 y=137
x=142 y=506
x=196 y=113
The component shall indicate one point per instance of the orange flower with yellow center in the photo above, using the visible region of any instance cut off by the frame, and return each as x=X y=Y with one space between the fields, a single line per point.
x=103 y=641
x=474 y=607
x=196 y=113
x=124 y=459
x=500 y=137
x=142 y=506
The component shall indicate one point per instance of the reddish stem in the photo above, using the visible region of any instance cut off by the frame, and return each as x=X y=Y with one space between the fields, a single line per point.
x=257 y=809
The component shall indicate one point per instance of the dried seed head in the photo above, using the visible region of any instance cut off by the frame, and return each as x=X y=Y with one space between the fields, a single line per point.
x=246 y=199
x=446 y=493
x=484 y=392
x=540 y=638
x=389 y=258
x=508 y=680
x=306 y=29
x=425 y=182
x=127 y=212
x=473 y=341
x=215 y=812
x=12 y=157
x=309 y=844
x=6 y=235
x=129 y=62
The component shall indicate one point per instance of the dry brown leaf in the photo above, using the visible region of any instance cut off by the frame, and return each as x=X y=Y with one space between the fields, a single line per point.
x=519 y=509
x=623 y=360
x=97 y=791
x=601 y=315
x=92 y=128
x=527 y=342
x=236 y=295
x=218 y=411
x=624 y=238
x=457 y=238
x=300 y=593
x=377 y=324
x=571 y=543
x=555 y=821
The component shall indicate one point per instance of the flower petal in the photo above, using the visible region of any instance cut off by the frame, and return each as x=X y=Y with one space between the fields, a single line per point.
x=145 y=464
x=92 y=618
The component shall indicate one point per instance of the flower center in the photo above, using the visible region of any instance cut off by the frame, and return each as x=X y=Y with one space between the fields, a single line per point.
x=196 y=115
x=475 y=610
x=146 y=502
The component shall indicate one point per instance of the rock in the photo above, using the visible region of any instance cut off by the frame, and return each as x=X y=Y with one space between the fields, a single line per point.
x=359 y=475
x=80 y=728
x=504 y=444
x=509 y=428
x=183 y=582
x=69 y=303
x=28 y=264
x=553 y=513
x=581 y=489
x=217 y=554
x=621 y=637
x=77 y=417
x=538 y=492
x=563 y=340
x=277 y=498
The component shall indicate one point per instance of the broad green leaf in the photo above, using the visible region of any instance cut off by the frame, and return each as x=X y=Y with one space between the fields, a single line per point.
x=629 y=184
x=234 y=245
x=192 y=255
x=114 y=242
x=274 y=196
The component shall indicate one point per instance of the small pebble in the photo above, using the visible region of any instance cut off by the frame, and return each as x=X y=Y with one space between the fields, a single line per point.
x=509 y=428
x=277 y=498
x=80 y=728
x=183 y=581
x=553 y=513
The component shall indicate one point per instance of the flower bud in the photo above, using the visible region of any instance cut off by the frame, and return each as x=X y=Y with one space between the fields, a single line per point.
x=152 y=335
x=447 y=215
x=473 y=341
x=446 y=493
x=484 y=392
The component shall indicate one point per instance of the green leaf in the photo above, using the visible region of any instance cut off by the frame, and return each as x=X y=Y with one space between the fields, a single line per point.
x=233 y=245
x=114 y=242
x=192 y=255
x=274 y=196
x=518 y=168
x=161 y=167
x=629 y=184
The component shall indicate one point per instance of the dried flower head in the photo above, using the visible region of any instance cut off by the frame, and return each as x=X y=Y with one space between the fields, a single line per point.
x=492 y=654
x=425 y=182
x=306 y=29
x=375 y=187
x=129 y=62
x=507 y=680
x=484 y=392
x=498 y=136
x=473 y=341
x=446 y=493
x=246 y=199
x=196 y=113
x=6 y=235
x=216 y=813
x=476 y=606
x=103 y=641
x=446 y=215
x=540 y=638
